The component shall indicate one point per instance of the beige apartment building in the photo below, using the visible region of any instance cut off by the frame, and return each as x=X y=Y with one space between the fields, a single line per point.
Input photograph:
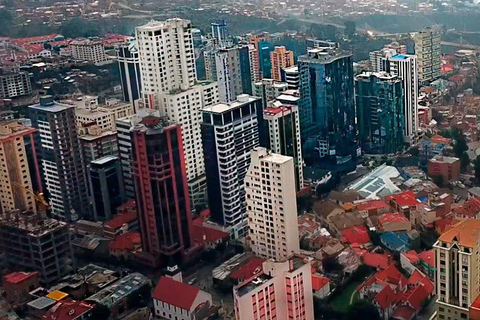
x=457 y=276
x=272 y=205
x=280 y=58
x=15 y=180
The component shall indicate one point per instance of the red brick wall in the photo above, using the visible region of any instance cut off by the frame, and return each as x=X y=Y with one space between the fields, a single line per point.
x=450 y=172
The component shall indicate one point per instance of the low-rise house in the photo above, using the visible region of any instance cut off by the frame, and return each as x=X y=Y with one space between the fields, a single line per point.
x=373 y=208
x=343 y=197
x=236 y=269
x=321 y=286
x=396 y=241
x=38 y=307
x=118 y=297
x=89 y=280
x=405 y=203
x=377 y=260
x=208 y=235
x=349 y=260
x=436 y=207
x=423 y=261
x=468 y=210
x=176 y=300
x=124 y=245
x=393 y=222
x=445 y=224
x=325 y=210
x=343 y=221
x=308 y=226
x=70 y=310
x=394 y=295
x=356 y=234
x=125 y=220
x=17 y=285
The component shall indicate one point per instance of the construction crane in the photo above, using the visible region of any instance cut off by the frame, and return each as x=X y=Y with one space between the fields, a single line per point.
x=42 y=205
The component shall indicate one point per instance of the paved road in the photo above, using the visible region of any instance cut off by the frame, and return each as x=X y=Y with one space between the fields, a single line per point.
x=202 y=279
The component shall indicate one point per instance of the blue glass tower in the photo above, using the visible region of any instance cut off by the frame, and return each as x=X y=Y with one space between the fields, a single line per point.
x=264 y=49
x=327 y=109
x=380 y=118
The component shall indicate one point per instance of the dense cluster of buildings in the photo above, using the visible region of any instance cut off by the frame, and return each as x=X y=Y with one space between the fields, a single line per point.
x=182 y=166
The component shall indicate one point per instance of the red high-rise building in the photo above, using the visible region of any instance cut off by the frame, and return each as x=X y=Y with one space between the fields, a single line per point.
x=161 y=188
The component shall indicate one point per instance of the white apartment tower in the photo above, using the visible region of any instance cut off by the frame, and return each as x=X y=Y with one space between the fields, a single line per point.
x=406 y=68
x=429 y=53
x=89 y=50
x=167 y=58
x=377 y=58
x=229 y=77
x=167 y=67
x=272 y=205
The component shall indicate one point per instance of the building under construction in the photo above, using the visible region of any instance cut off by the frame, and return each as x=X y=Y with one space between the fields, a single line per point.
x=33 y=243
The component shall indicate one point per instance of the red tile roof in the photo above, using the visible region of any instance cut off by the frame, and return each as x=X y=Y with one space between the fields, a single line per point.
x=417 y=296
x=318 y=282
x=377 y=260
x=275 y=110
x=440 y=139
x=386 y=297
x=412 y=256
x=249 y=269
x=476 y=303
x=205 y=234
x=122 y=219
x=68 y=310
x=417 y=278
x=372 y=205
x=390 y=275
x=392 y=218
x=129 y=206
x=428 y=257
x=447 y=67
x=357 y=234
x=205 y=213
x=470 y=208
x=126 y=241
x=403 y=313
x=406 y=198
x=308 y=224
x=445 y=224
x=22 y=41
x=33 y=48
x=175 y=293
x=16 y=277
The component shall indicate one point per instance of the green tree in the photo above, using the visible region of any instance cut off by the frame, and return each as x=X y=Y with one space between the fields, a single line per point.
x=362 y=309
x=464 y=161
x=323 y=310
x=476 y=166
x=330 y=264
x=438 y=180
x=437 y=116
x=414 y=151
x=350 y=29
